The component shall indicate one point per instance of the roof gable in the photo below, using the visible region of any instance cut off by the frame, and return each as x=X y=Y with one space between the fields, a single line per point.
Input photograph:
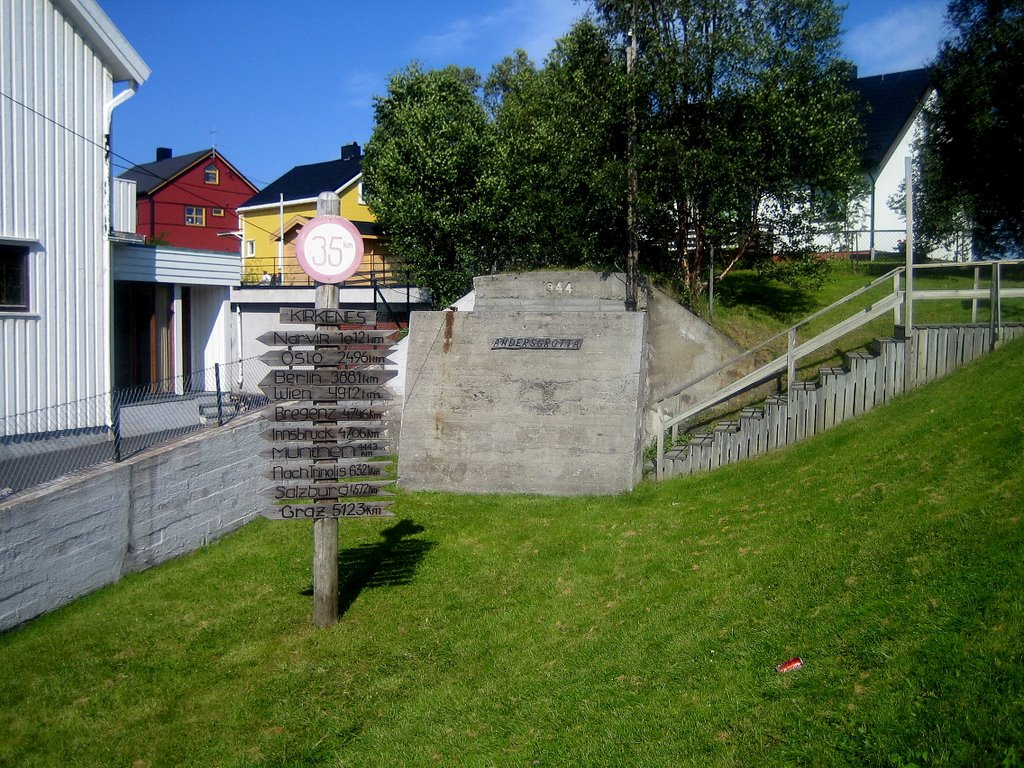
x=149 y=177
x=888 y=105
x=304 y=182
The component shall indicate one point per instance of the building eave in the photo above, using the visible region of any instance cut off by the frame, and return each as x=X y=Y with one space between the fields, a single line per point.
x=106 y=39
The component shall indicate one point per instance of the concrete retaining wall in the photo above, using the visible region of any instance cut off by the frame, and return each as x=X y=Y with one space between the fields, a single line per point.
x=77 y=534
x=523 y=420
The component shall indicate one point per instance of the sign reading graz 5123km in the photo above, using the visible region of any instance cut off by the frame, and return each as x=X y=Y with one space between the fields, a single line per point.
x=317 y=511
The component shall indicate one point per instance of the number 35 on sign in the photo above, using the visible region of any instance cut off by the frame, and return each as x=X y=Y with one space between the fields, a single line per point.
x=329 y=249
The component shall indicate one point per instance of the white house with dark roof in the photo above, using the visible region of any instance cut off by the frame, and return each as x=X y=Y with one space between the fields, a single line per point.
x=890 y=108
x=64 y=69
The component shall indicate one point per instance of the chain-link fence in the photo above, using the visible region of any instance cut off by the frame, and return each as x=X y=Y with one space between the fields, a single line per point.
x=864 y=244
x=41 y=445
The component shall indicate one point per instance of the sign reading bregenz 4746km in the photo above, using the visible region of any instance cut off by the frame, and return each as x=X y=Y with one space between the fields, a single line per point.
x=329 y=443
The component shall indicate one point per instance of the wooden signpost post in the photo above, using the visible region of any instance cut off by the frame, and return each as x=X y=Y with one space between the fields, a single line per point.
x=328 y=426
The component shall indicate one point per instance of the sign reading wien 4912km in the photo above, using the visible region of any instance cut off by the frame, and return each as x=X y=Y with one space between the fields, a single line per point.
x=329 y=434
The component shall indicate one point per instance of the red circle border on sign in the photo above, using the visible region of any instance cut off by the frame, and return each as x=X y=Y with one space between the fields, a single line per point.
x=314 y=272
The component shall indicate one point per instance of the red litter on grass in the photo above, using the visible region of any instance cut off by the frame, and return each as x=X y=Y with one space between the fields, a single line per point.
x=788 y=666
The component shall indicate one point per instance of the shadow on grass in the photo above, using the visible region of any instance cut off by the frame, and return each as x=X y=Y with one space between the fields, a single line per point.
x=388 y=563
x=774 y=299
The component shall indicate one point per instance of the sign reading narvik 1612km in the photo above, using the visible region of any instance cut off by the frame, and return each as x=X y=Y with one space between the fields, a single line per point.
x=326 y=460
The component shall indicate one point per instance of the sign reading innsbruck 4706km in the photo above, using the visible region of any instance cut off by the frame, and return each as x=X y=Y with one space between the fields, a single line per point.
x=329 y=433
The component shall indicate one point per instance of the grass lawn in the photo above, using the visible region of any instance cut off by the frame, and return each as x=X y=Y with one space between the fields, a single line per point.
x=750 y=311
x=637 y=630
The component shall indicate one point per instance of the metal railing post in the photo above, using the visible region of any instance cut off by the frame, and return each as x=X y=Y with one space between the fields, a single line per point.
x=220 y=399
x=659 y=472
x=115 y=425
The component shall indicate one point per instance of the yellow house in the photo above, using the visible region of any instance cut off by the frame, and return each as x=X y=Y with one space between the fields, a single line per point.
x=270 y=221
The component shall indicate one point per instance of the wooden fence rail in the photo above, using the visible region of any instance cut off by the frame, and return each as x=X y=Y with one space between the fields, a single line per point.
x=866 y=379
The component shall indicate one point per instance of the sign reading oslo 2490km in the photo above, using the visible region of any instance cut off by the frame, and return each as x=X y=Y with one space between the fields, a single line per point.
x=329 y=249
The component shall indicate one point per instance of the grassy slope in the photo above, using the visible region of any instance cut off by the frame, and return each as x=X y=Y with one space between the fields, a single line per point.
x=750 y=311
x=640 y=630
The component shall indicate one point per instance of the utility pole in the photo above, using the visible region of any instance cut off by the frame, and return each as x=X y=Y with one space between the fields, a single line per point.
x=632 y=183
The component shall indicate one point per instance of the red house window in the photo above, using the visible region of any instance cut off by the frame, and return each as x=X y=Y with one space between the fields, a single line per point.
x=211 y=174
x=195 y=217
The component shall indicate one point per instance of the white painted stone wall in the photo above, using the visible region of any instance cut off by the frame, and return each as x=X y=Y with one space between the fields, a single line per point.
x=82 y=532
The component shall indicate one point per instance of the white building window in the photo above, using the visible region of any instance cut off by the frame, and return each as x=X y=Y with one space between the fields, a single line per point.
x=13 y=278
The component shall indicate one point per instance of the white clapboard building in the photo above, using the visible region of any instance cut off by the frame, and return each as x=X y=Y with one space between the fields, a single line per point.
x=64 y=69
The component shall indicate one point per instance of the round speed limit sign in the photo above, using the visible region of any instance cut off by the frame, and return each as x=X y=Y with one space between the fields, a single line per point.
x=329 y=249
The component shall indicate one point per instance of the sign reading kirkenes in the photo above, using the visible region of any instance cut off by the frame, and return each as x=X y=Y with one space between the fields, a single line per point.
x=330 y=439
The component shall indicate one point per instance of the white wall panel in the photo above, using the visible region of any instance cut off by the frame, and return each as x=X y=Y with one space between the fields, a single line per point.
x=52 y=175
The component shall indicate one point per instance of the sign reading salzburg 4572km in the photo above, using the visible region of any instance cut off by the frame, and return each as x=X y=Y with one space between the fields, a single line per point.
x=329 y=249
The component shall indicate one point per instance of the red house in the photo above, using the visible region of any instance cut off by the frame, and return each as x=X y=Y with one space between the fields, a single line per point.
x=189 y=201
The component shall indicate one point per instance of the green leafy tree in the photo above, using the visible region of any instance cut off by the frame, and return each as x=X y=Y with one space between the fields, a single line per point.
x=425 y=172
x=746 y=123
x=559 y=150
x=972 y=150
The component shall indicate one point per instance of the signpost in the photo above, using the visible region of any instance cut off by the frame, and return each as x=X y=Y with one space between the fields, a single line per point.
x=327 y=419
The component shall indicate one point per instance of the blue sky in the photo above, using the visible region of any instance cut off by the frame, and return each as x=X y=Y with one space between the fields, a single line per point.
x=275 y=84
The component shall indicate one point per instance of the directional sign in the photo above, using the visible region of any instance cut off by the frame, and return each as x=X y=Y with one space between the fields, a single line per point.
x=344 y=470
x=326 y=357
x=327 y=316
x=326 y=394
x=351 y=336
x=318 y=452
x=343 y=431
x=338 y=509
x=321 y=491
x=366 y=377
x=335 y=412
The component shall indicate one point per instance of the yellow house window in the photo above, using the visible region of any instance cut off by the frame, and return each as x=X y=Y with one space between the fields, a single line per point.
x=211 y=174
x=195 y=217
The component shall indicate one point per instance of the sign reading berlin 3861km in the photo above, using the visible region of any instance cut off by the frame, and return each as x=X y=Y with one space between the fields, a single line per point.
x=329 y=249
